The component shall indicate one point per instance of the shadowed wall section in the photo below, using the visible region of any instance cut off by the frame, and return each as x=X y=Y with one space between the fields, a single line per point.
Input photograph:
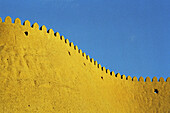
x=42 y=72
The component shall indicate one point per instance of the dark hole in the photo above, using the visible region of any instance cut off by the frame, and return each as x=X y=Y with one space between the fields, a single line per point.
x=28 y=105
x=156 y=91
x=35 y=82
x=101 y=77
x=84 y=64
x=69 y=53
x=26 y=33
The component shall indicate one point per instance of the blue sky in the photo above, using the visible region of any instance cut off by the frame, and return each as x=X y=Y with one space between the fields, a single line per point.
x=131 y=37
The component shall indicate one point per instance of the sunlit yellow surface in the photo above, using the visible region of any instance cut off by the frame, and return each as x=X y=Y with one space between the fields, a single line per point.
x=43 y=73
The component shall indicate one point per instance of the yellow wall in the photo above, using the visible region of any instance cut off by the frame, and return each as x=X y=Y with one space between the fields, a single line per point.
x=44 y=73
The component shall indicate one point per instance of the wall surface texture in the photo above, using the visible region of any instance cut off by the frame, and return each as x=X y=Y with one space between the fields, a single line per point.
x=41 y=72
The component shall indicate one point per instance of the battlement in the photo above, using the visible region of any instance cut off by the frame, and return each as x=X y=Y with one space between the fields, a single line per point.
x=57 y=35
x=44 y=60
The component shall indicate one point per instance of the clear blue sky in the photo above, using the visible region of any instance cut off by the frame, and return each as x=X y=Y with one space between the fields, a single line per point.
x=131 y=37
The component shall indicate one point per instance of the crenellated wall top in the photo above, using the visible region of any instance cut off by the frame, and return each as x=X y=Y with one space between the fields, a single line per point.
x=43 y=28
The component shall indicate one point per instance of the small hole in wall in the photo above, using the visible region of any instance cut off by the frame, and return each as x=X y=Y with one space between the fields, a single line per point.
x=69 y=53
x=84 y=64
x=28 y=105
x=101 y=77
x=35 y=82
x=26 y=33
x=156 y=91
